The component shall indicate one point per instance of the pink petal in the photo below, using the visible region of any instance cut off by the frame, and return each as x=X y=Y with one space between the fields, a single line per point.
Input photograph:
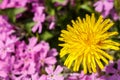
x=108 y=5
x=3 y=74
x=58 y=70
x=43 y=53
x=52 y=25
x=1 y=44
x=4 y=4
x=31 y=69
x=50 y=60
x=42 y=18
x=34 y=29
x=53 y=52
x=110 y=69
x=43 y=77
x=118 y=62
x=35 y=76
x=105 y=14
x=59 y=77
x=49 y=69
x=99 y=6
x=40 y=9
x=40 y=27
x=3 y=36
x=3 y=55
x=37 y=48
x=32 y=41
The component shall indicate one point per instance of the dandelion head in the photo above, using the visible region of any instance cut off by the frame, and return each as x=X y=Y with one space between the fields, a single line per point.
x=85 y=42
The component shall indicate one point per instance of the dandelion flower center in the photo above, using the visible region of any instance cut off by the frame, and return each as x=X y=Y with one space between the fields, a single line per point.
x=85 y=43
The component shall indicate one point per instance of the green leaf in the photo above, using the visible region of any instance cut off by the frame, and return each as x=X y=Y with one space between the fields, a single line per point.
x=29 y=25
x=18 y=10
x=86 y=7
x=117 y=6
x=59 y=1
x=12 y=12
x=46 y=35
x=52 y=12
x=1 y=1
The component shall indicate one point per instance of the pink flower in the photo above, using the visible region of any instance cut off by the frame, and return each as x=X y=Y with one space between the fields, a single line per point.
x=6 y=68
x=52 y=25
x=33 y=47
x=54 y=74
x=112 y=71
x=114 y=15
x=103 y=6
x=43 y=77
x=52 y=52
x=7 y=47
x=82 y=76
x=44 y=58
x=4 y=25
x=73 y=76
x=106 y=7
x=51 y=20
x=13 y=4
x=39 y=18
x=37 y=77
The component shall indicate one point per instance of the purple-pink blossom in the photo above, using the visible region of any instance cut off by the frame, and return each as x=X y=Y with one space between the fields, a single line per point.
x=5 y=26
x=13 y=4
x=106 y=8
x=7 y=47
x=82 y=76
x=31 y=57
x=39 y=18
x=112 y=71
x=73 y=76
x=54 y=74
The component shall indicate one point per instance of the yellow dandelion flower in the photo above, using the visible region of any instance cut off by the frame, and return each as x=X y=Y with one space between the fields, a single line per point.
x=85 y=42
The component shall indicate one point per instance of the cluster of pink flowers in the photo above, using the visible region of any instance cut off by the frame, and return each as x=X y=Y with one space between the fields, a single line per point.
x=112 y=71
x=37 y=10
x=24 y=61
x=106 y=8
x=13 y=4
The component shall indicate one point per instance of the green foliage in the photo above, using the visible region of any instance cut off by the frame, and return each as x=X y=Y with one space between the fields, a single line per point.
x=117 y=5
x=12 y=13
x=28 y=27
x=46 y=35
x=1 y=1
x=59 y=1
x=86 y=7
